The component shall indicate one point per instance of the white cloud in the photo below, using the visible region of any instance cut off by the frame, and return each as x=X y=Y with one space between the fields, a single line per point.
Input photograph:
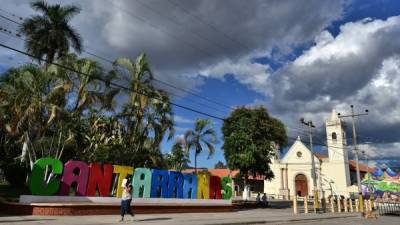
x=181 y=119
x=360 y=66
x=253 y=75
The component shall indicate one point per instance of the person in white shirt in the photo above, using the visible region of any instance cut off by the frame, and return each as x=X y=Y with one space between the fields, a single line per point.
x=126 y=202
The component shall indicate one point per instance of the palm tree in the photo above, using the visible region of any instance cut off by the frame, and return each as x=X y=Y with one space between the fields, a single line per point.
x=33 y=100
x=147 y=113
x=203 y=134
x=50 y=34
x=37 y=107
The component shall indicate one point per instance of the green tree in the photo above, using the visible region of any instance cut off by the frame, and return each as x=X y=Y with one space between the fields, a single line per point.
x=50 y=34
x=177 y=159
x=202 y=136
x=147 y=113
x=251 y=137
x=220 y=165
x=42 y=107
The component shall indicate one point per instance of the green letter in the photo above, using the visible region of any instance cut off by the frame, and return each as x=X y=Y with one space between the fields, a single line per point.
x=142 y=183
x=37 y=184
x=226 y=183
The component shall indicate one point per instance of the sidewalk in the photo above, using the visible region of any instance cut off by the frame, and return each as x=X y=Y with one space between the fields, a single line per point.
x=253 y=216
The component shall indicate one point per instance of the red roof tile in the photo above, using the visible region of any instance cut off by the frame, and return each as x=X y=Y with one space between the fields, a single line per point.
x=222 y=173
x=320 y=156
x=363 y=168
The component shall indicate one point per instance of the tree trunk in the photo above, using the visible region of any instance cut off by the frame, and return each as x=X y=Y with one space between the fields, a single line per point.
x=195 y=162
x=50 y=56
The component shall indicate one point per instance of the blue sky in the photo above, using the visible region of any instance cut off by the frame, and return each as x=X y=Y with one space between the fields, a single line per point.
x=297 y=58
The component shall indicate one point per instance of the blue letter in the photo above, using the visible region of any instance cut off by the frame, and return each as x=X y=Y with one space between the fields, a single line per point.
x=175 y=185
x=159 y=182
x=189 y=185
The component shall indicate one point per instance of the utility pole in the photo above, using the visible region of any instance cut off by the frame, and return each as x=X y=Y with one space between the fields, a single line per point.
x=366 y=159
x=353 y=117
x=310 y=125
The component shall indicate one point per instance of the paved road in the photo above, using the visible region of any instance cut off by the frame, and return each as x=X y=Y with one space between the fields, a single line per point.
x=254 y=216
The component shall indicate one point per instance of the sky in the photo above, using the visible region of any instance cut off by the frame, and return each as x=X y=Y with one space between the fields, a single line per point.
x=296 y=58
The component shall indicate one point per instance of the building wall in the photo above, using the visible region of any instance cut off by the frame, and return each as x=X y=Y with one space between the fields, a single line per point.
x=333 y=173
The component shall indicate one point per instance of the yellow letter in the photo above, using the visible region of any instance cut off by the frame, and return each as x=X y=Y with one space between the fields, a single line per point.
x=122 y=171
x=203 y=185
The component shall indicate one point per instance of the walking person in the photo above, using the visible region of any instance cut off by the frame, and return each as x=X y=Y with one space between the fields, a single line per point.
x=126 y=202
x=258 y=199
x=264 y=200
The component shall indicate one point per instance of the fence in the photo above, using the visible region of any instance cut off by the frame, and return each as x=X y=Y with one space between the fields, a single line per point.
x=387 y=207
x=341 y=205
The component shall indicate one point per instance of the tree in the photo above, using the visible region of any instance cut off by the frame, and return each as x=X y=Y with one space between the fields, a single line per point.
x=177 y=159
x=147 y=113
x=220 y=165
x=50 y=33
x=250 y=137
x=42 y=107
x=202 y=136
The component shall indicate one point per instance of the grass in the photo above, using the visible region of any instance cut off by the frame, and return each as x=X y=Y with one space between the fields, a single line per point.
x=11 y=194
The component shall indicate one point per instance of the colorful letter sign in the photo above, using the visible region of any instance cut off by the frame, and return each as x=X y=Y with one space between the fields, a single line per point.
x=122 y=171
x=37 y=184
x=99 y=179
x=175 y=185
x=142 y=183
x=96 y=179
x=75 y=172
x=159 y=184
x=189 y=185
x=215 y=187
x=226 y=187
x=203 y=185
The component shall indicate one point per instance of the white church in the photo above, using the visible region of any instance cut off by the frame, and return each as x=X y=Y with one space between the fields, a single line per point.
x=335 y=173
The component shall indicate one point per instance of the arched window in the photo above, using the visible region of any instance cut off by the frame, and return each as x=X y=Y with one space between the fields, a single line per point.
x=334 y=137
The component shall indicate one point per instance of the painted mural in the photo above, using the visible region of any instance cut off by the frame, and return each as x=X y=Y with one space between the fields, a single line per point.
x=384 y=183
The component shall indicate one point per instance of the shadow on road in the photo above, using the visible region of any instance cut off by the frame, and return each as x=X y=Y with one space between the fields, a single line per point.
x=23 y=220
x=155 y=219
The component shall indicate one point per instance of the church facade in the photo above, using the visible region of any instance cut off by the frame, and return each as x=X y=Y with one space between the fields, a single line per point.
x=335 y=173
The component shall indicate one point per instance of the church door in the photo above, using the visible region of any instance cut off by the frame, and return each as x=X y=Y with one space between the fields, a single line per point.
x=301 y=185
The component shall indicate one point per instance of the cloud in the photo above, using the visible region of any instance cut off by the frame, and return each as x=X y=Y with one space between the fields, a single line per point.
x=179 y=44
x=253 y=75
x=359 y=66
x=181 y=119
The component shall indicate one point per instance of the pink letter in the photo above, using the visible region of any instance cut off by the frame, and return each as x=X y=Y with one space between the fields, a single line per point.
x=74 y=172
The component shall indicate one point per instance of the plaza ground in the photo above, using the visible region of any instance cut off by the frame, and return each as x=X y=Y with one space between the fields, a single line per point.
x=251 y=216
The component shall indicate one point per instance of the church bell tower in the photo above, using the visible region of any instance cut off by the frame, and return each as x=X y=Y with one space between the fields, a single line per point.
x=337 y=150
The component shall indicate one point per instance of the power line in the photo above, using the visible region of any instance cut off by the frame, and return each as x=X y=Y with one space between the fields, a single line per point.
x=173 y=36
x=198 y=18
x=105 y=81
x=193 y=93
x=180 y=24
x=169 y=33
x=8 y=19
x=154 y=79
x=197 y=102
